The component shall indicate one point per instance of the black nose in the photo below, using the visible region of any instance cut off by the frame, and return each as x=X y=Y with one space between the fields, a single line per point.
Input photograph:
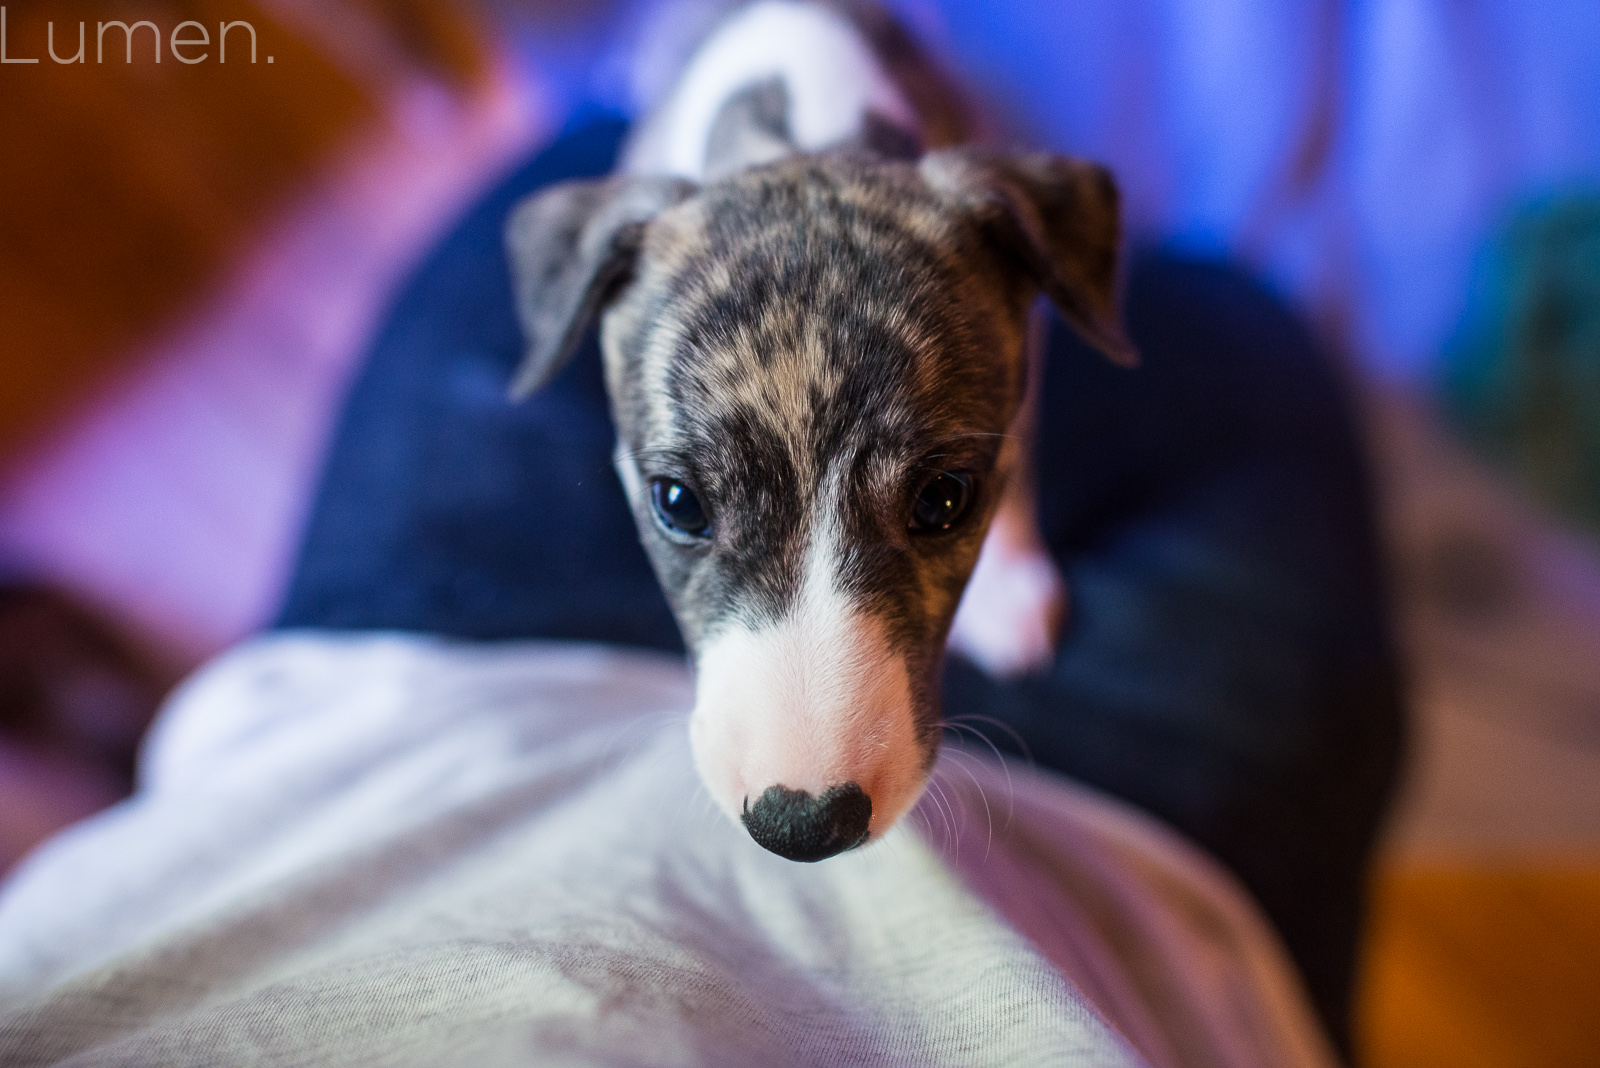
x=795 y=825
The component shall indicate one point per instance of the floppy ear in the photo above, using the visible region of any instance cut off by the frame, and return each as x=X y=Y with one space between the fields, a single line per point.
x=1060 y=217
x=570 y=246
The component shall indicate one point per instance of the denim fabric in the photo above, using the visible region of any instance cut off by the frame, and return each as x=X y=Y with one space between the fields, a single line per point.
x=1227 y=666
x=443 y=507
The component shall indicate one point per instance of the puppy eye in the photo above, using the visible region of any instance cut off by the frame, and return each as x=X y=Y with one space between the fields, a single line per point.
x=679 y=509
x=941 y=503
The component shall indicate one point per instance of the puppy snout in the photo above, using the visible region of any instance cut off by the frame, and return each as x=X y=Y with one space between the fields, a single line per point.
x=798 y=826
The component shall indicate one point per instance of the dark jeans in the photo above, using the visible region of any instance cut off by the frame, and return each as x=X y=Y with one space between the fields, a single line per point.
x=1228 y=664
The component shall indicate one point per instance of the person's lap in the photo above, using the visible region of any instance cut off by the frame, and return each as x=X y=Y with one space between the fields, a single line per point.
x=1227 y=664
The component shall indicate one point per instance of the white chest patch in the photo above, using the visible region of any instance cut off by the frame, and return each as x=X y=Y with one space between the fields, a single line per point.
x=830 y=75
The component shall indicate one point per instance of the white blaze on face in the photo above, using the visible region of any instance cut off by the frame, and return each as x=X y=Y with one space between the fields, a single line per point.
x=815 y=700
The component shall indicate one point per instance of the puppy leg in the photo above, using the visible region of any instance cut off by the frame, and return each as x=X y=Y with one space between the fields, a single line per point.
x=1011 y=613
x=1013 y=608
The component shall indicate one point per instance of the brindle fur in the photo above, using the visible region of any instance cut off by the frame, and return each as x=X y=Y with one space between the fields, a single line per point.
x=805 y=343
x=816 y=336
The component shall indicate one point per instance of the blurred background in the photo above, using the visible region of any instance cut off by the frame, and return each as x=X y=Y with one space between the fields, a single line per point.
x=192 y=255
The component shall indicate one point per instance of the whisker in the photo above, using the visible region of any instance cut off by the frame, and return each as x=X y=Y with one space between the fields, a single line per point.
x=983 y=796
x=936 y=795
x=956 y=814
x=1010 y=732
x=1005 y=769
x=631 y=737
x=920 y=819
x=702 y=807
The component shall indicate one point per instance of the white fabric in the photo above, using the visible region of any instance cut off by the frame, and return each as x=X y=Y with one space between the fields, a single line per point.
x=387 y=850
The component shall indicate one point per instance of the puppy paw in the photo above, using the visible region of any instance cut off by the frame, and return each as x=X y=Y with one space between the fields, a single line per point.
x=1011 y=614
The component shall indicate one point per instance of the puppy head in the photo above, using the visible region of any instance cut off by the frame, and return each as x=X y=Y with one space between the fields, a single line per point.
x=813 y=368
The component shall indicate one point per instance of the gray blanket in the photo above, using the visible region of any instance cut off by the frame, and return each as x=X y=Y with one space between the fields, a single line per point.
x=394 y=851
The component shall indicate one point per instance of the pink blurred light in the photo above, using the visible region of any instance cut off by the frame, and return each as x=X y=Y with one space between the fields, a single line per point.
x=173 y=499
